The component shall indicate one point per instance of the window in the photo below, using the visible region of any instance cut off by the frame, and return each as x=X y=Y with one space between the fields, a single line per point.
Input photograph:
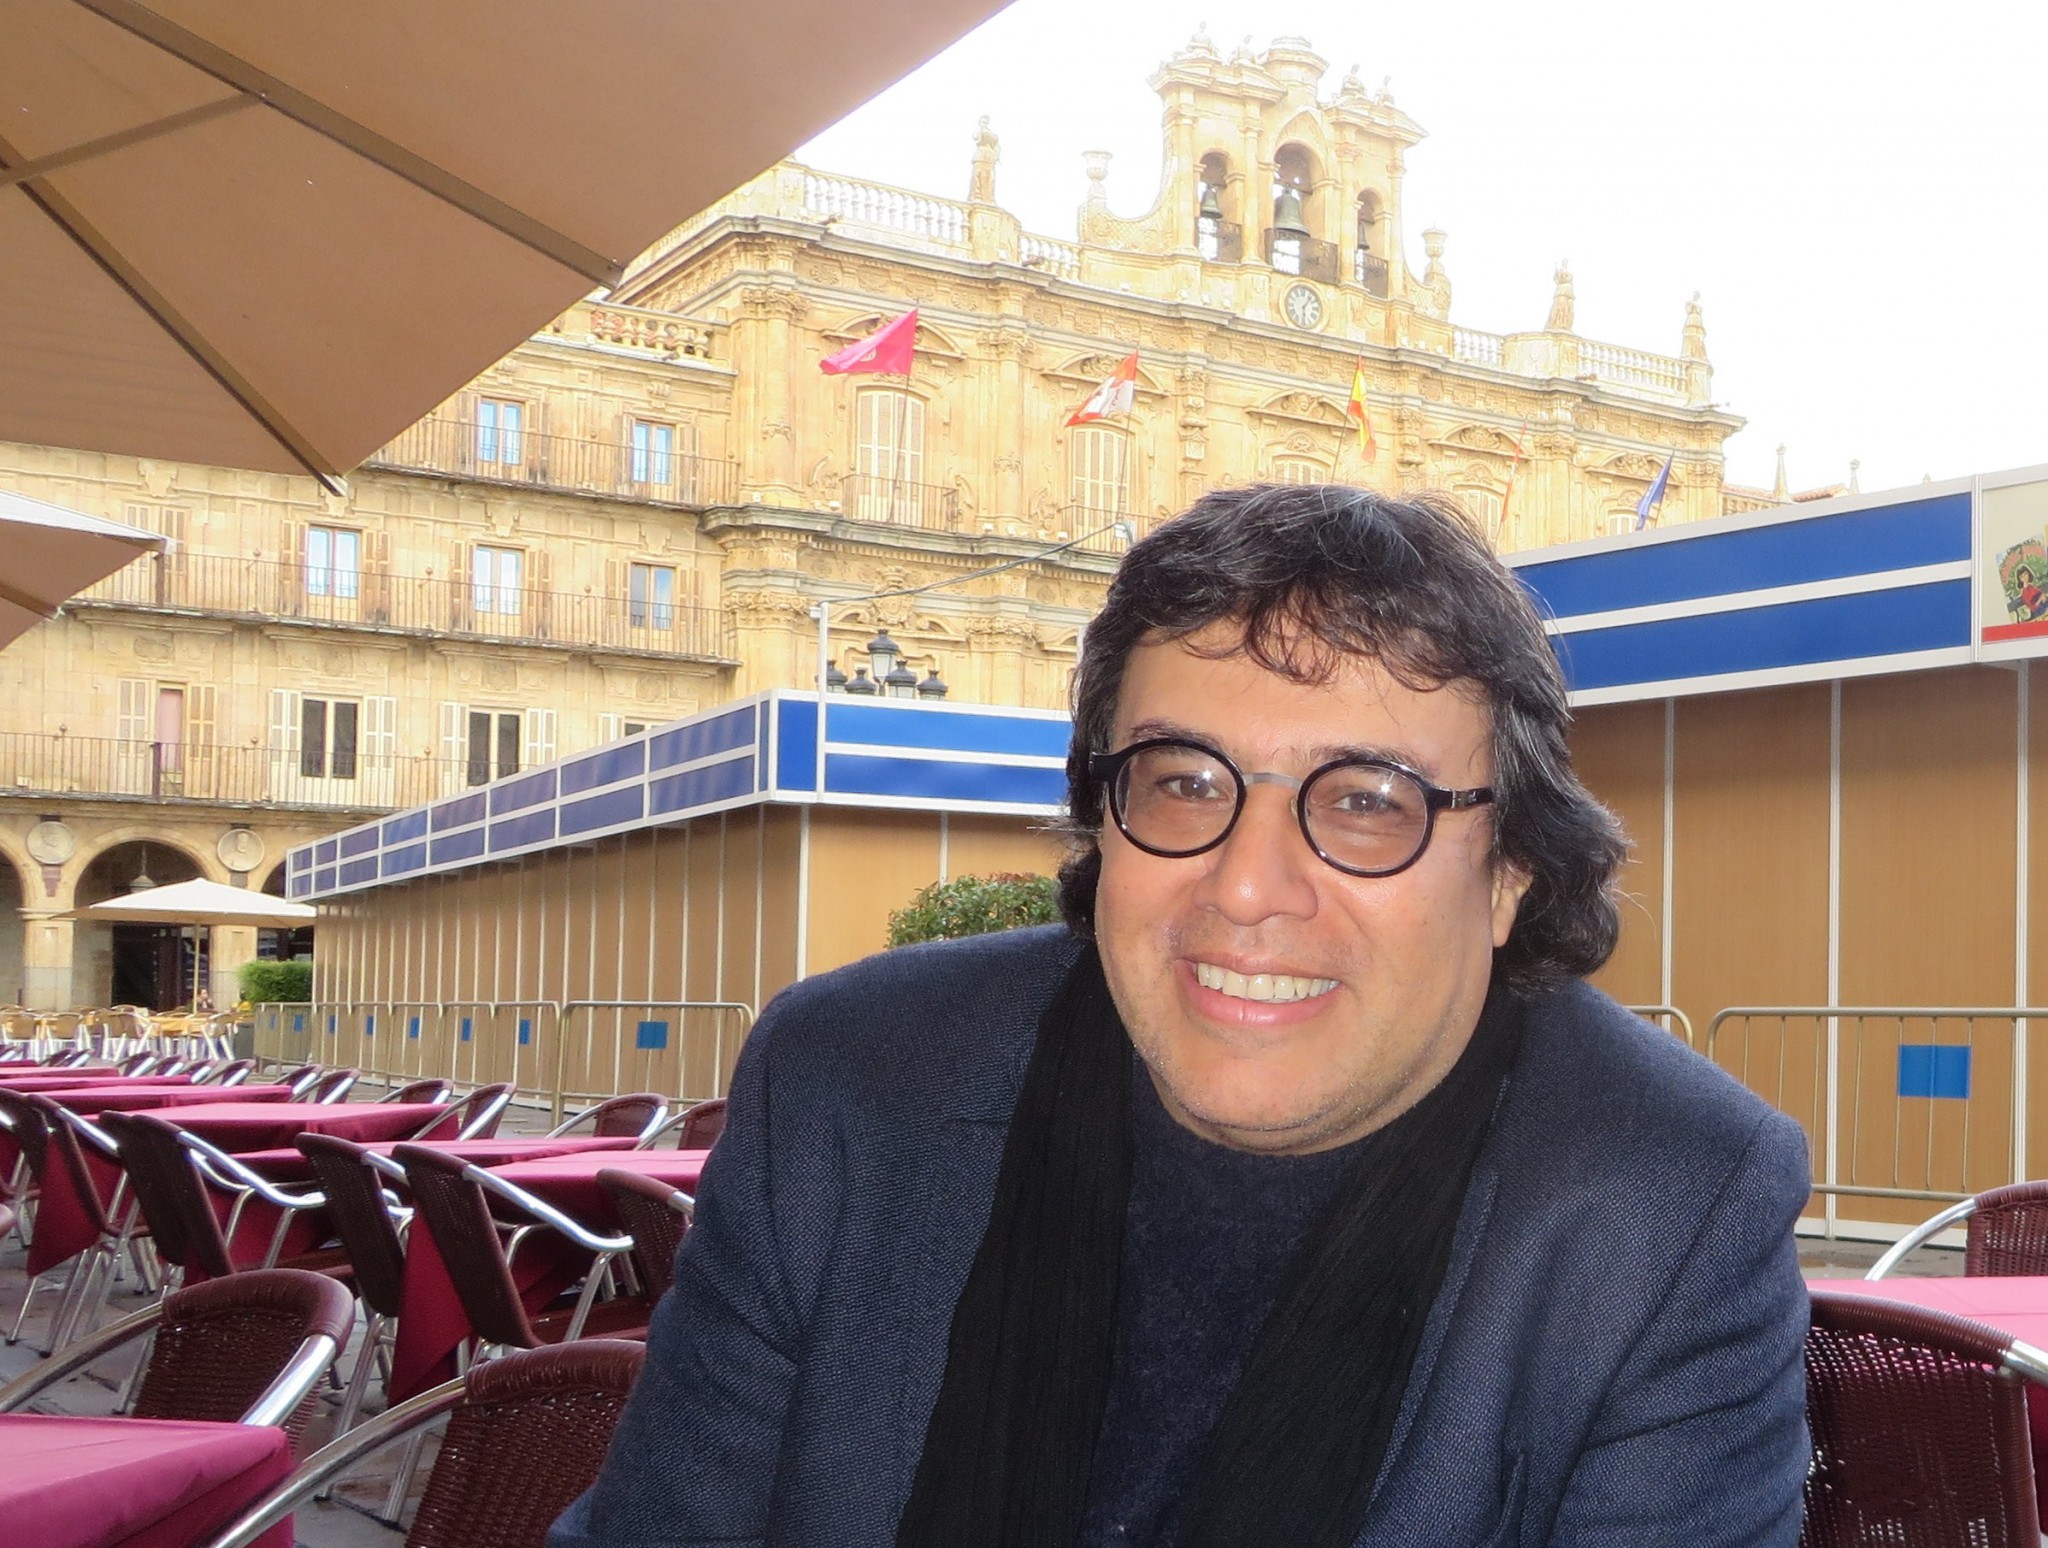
x=611 y=727
x=494 y=576
x=651 y=596
x=327 y=738
x=1621 y=523
x=334 y=562
x=888 y=455
x=1299 y=470
x=494 y=739
x=653 y=450
x=1098 y=469
x=500 y=431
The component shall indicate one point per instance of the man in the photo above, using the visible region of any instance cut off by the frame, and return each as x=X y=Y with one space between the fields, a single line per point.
x=1298 y=1194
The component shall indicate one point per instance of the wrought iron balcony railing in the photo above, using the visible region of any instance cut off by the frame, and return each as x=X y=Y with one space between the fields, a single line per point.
x=1369 y=271
x=1310 y=257
x=899 y=503
x=36 y=764
x=511 y=454
x=369 y=597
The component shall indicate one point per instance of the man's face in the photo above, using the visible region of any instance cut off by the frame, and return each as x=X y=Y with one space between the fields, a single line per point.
x=1384 y=977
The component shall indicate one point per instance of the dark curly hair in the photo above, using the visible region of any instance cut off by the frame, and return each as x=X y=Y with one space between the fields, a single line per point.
x=1312 y=573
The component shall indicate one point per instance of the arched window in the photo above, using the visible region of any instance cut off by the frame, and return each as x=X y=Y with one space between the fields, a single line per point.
x=1482 y=505
x=1099 y=486
x=888 y=456
x=1369 y=260
x=1218 y=237
x=1299 y=470
x=1291 y=244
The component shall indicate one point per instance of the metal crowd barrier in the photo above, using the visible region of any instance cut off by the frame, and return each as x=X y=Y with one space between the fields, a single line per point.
x=675 y=1061
x=1670 y=1017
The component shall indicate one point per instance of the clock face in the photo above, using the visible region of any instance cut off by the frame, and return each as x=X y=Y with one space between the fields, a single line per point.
x=1304 y=307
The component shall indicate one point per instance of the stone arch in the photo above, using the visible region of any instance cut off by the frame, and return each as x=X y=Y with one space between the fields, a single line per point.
x=138 y=964
x=17 y=884
x=1219 y=208
x=203 y=862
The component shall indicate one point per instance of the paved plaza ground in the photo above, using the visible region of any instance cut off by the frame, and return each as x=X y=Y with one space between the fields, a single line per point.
x=349 y=1520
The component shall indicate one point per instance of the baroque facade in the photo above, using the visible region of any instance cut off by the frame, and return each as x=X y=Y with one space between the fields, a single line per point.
x=634 y=514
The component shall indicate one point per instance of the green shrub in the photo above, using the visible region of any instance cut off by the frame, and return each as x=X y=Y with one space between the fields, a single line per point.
x=975 y=905
x=265 y=983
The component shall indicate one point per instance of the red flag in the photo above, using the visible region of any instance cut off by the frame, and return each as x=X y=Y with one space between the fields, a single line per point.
x=1114 y=396
x=885 y=352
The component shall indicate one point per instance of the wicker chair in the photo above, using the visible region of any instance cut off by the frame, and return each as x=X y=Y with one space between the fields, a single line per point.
x=449 y=1200
x=1919 y=1424
x=250 y=1348
x=2005 y=1232
x=657 y=1217
x=696 y=1127
x=328 y=1086
x=435 y=1090
x=231 y=1073
x=299 y=1079
x=369 y=1235
x=637 y=1114
x=526 y=1435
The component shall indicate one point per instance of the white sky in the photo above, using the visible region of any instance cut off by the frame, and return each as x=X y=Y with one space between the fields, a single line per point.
x=1858 y=191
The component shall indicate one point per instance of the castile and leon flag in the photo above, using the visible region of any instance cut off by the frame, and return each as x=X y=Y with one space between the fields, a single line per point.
x=1114 y=396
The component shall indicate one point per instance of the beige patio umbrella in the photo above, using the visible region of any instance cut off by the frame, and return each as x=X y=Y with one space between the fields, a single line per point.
x=272 y=235
x=196 y=904
x=48 y=554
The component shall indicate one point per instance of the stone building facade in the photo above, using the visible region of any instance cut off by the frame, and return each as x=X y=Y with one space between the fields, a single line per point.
x=635 y=513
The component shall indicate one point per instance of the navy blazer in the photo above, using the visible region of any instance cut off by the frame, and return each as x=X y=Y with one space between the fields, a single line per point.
x=1615 y=1357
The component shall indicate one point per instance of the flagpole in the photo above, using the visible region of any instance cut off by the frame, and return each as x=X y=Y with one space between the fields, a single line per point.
x=1500 y=530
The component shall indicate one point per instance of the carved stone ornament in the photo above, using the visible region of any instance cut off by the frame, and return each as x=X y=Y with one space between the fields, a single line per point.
x=241 y=850
x=50 y=842
x=1303 y=408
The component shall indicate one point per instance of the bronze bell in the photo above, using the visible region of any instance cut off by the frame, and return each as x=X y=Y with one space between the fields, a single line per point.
x=1287 y=219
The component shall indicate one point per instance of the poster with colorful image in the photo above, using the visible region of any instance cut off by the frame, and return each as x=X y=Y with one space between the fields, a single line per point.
x=2012 y=583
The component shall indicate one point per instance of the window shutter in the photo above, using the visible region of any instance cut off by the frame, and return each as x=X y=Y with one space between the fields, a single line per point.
x=380 y=726
x=608 y=727
x=137 y=697
x=376 y=581
x=461 y=587
x=454 y=746
x=540 y=737
x=538 y=593
x=202 y=763
x=291 y=574
x=283 y=743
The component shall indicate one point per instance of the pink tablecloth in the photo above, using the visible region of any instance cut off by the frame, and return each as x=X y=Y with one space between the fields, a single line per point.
x=14 y=1076
x=2015 y=1304
x=120 y=1096
x=133 y=1483
x=290 y=1167
x=41 y=1080
x=433 y=1323
x=239 y=1126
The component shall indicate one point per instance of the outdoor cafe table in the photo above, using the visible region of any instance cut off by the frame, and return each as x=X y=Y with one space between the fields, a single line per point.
x=290 y=1168
x=133 y=1483
x=238 y=1126
x=2013 y=1303
x=432 y=1323
x=29 y=1077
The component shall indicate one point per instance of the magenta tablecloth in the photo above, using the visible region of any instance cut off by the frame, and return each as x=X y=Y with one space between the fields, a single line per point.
x=133 y=1483
x=570 y=1182
x=290 y=1167
x=120 y=1096
x=239 y=1126
x=2015 y=1304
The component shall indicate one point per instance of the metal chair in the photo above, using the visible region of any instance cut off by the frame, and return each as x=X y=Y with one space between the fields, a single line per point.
x=1919 y=1425
x=2005 y=1232
x=138 y=1063
x=526 y=1435
x=299 y=1079
x=364 y=1220
x=696 y=1127
x=638 y=1113
x=449 y=1198
x=657 y=1217
x=435 y=1090
x=91 y=1274
x=476 y=1116
x=328 y=1086
x=232 y=1073
x=247 y=1349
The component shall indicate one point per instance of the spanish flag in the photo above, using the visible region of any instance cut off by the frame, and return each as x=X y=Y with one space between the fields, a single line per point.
x=1368 y=448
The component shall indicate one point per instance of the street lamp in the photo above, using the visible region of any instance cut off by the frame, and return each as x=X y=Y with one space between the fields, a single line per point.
x=882 y=654
x=933 y=687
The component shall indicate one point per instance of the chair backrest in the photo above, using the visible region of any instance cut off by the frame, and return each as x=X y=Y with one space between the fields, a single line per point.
x=25 y=1123
x=328 y=1086
x=702 y=1123
x=172 y=1195
x=355 y=1202
x=2008 y=1234
x=656 y=1216
x=138 y=1064
x=1919 y=1430
x=231 y=1073
x=220 y=1345
x=635 y=1115
x=476 y=1116
x=62 y=1149
x=455 y=1212
x=530 y=1436
x=300 y=1078
x=422 y=1091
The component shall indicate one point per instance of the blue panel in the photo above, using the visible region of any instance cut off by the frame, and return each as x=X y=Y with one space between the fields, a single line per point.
x=412 y=1028
x=459 y=812
x=406 y=825
x=298 y=1021
x=651 y=1034
x=796 y=753
x=1827 y=629
x=1934 y=1070
x=398 y=862
x=301 y=859
x=700 y=787
x=606 y=767
x=369 y=1024
x=525 y=1030
x=333 y=1023
x=466 y=1030
x=359 y=841
x=850 y=775
x=686 y=744
x=323 y=879
x=602 y=811
x=1893 y=537
x=358 y=871
x=533 y=828
x=912 y=726
x=516 y=795
x=466 y=845
x=302 y=886
x=324 y=851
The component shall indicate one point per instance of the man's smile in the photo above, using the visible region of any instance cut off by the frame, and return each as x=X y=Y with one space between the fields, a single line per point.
x=1261 y=986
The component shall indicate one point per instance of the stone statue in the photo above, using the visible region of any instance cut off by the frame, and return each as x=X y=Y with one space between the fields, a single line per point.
x=1560 y=320
x=981 y=186
x=1435 y=299
x=1695 y=345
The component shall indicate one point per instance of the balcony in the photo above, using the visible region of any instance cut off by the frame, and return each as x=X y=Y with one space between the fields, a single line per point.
x=106 y=768
x=1310 y=257
x=896 y=502
x=490 y=454
x=1370 y=272
x=1219 y=241
x=372 y=599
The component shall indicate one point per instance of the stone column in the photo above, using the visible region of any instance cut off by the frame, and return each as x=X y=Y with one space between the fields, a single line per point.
x=1008 y=344
x=46 y=961
x=763 y=406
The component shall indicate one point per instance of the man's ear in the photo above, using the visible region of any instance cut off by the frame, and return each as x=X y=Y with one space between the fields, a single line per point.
x=1510 y=882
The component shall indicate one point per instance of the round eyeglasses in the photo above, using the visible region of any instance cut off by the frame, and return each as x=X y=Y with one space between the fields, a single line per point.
x=1365 y=816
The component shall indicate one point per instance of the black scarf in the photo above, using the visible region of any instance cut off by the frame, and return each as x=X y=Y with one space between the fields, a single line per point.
x=1298 y=1446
